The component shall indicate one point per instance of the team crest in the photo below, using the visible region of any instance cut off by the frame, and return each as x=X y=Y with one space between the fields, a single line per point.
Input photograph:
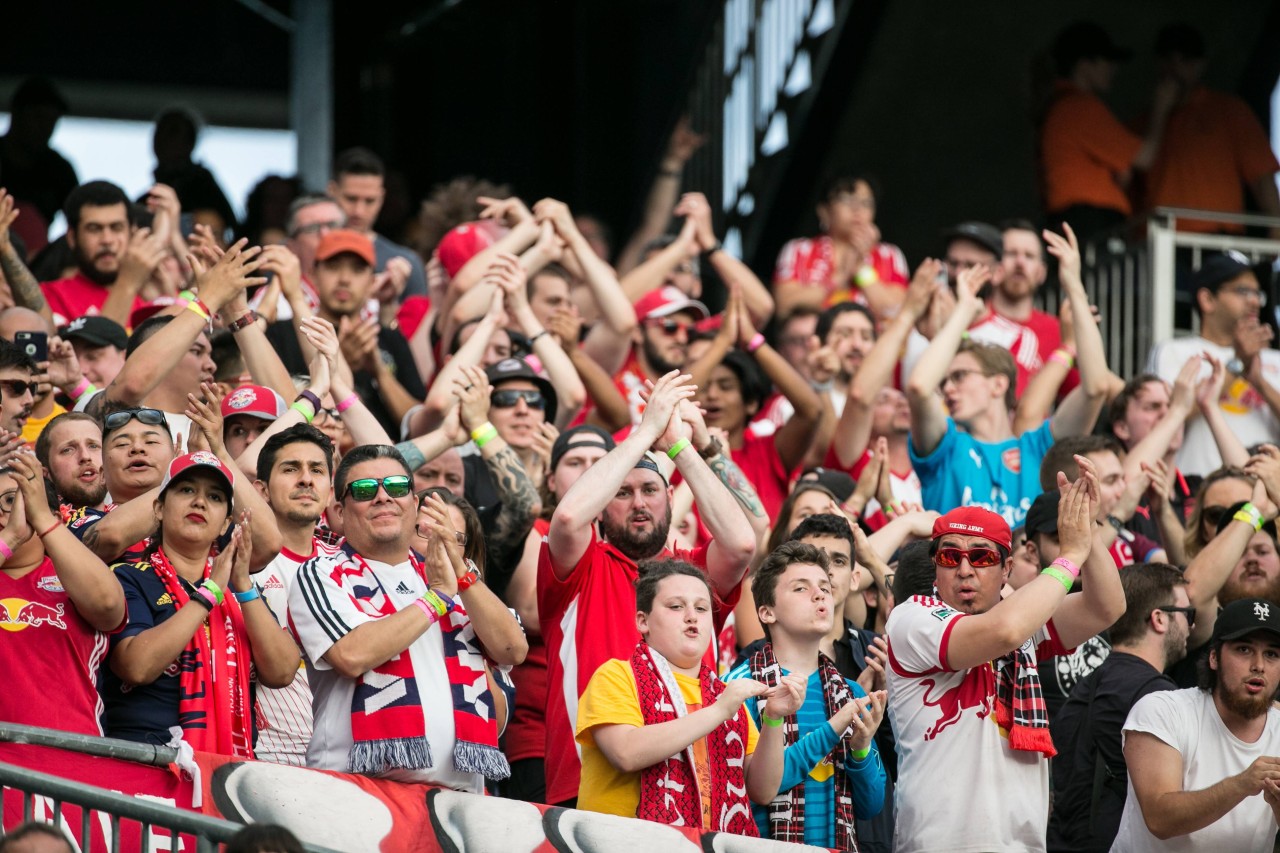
x=242 y=398
x=1012 y=459
x=204 y=457
x=50 y=584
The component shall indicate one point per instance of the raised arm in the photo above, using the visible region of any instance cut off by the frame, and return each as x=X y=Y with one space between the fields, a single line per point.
x=611 y=408
x=928 y=419
x=521 y=234
x=733 y=272
x=1155 y=444
x=440 y=395
x=793 y=439
x=26 y=290
x=662 y=195
x=143 y=254
x=1208 y=393
x=649 y=275
x=1079 y=411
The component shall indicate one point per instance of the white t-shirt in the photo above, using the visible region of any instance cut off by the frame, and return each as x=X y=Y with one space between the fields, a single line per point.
x=322 y=613
x=1245 y=411
x=960 y=786
x=1188 y=721
x=284 y=724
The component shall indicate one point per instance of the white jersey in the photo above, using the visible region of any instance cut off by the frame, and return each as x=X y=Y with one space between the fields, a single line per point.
x=1188 y=721
x=950 y=748
x=1246 y=412
x=284 y=718
x=322 y=613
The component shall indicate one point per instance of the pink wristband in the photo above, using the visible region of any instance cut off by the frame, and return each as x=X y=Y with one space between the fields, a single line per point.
x=422 y=605
x=756 y=342
x=205 y=596
x=348 y=403
x=78 y=391
x=5 y=550
x=1067 y=566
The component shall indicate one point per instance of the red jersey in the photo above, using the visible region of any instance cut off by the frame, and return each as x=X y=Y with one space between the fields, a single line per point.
x=49 y=656
x=630 y=382
x=812 y=262
x=1030 y=342
x=589 y=618
x=526 y=735
x=77 y=296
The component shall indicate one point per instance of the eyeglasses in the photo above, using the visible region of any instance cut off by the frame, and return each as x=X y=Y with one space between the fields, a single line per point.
x=151 y=417
x=957 y=376
x=7 y=499
x=16 y=387
x=954 y=264
x=1245 y=292
x=1212 y=515
x=508 y=398
x=668 y=326
x=315 y=228
x=366 y=488
x=1190 y=611
x=979 y=558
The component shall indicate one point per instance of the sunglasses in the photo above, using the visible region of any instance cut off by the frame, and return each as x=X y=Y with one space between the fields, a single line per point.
x=1189 y=611
x=508 y=398
x=1212 y=515
x=16 y=387
x=366 y=488
x=669 y=326
x=151 y=417
x=979 y=558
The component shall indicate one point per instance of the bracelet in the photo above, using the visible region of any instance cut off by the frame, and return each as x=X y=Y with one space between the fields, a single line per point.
x=469 y=578
x=187 y=296
x=203 y=597
x=716 y=248
x=78 y=392
x=1067 y=566
x=484 y=434
x=300 y=407
x=712 y=450
x=348 y=403
x=422 y=605
x=248 y=595
x=823 y=387
x=771 y=722
x=213 y=588
x=755 y=343
x=1060 y=576
x=5 y=550
x=439 y=603
x=196 y=309
x=1063 y=357
x=246 y=320
x=1250 y=514
x=534 y=339
x=52 y=528
x=860 y=754
x=677 y=447
x=310 y=398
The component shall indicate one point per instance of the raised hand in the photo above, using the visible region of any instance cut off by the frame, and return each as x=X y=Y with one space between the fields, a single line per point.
x=969 y=285
x=557 y=215
x=565 y=325
x=1209 y=390
x=8 y=213
x=444 y=562
x=549 y=244
x=822 y=362
x=1076 y=514
x=324 y=365
x=1158 y=490
x=677 y=428
x=1265 y=465
x=230 y=275
x=873 y=676
x=1251 y=337
x=859 y=719
x=1067 y=250
x=471 y=389
x=30 y=478
x=662 y=400
x=391 y=282
x=1183 y=396
x=287 y=269
x=11 y=444
x=509 y=211
x=145 y=252
x=696 y=207
x=684 y=143
x=359 y=342
x=205 y=412
x=922 y=287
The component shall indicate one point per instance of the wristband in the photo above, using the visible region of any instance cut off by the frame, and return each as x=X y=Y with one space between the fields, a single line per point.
x=187 y=296
x=5 y=550
x=310 y=398
x=712 y=450
x=248 y=595
x=1060 y=576
x=716 y=248
x=469 y=579
x=534 y=339
x=246 y=320
x=755 y=343
x=300 y=406
x=860 y=754
x=771 y=722
x=203 y=597
x=1067 y=566
x=677 y=447
x=80 y=389
x=213 y=588
x=348 y=403
x=435 y=601
x=1250 y=514
x=51 y=528
x=484 y=434
x=427 y=609
x=1063 y=357
x=195 y=308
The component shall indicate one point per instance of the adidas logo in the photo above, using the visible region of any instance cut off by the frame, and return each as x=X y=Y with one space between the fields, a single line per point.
x=273 y=583
x=164 y=599
x=403 y=589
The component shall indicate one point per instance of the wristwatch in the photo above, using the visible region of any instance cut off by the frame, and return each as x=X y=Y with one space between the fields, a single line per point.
x=1235 y=366
x=712 y=450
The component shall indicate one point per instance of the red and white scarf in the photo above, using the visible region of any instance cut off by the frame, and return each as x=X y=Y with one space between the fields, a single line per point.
x=388 y=725
x=213 y=707
x=669 y=790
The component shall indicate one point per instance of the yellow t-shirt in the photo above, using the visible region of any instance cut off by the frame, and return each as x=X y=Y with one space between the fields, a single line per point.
x=34 y=426
x=611 y=699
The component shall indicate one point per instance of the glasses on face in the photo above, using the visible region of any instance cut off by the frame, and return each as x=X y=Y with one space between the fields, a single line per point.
x=956 y=264
x=7 y=499
x=957 y=376
x=1246 y=292
x=315 y=228
x=366 y=488
x=151 y=417
x=979 y=558
x=1189 y=611
x=509 y=397
x=16 y=387
x=1212 y=515
x=668 y=326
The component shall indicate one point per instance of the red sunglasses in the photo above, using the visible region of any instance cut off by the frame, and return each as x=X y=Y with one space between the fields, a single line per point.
x=979 y=558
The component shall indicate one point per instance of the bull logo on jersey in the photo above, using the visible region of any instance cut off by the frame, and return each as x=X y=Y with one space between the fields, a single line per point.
x=974 y=691
x=17 y=614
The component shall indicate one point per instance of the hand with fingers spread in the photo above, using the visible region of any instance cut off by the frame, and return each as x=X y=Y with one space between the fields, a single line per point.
x=472 y=391
x=1066 y=248
x=205 y=412
x=969 y=285
x=662 y=400
x=508 y=211
x=11 y=444
x=1209 y=389
x=229 y=275
x=287 y=269
x=859 y=718
x=145 y=252
x=784 y=698
x=683 y=145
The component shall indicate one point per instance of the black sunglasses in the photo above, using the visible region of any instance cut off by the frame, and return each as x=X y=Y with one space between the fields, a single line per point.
x=16 y=387
x=1190 y=611
x=509 y=397
x=1212 y=515
x=151 y=417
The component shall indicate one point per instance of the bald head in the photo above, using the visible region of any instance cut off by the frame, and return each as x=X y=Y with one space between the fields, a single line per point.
x=13 y=320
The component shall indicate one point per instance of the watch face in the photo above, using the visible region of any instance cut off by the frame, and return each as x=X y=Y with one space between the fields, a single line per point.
x=1235 y=366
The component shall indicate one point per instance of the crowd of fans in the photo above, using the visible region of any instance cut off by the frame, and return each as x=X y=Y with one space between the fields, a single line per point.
x=508 y=512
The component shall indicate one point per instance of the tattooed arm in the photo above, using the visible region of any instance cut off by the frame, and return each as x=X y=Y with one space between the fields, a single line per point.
x=520 y=506
x=26 y=290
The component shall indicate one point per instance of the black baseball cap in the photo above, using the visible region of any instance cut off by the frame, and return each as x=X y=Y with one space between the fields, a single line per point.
x=1043 y=515
x=518 y=368
x=984 y=234
x=839 y=483
x=584 y=435
x=1241 y=618
x=1220 y=269
x=1085 y=40
x=96 y=332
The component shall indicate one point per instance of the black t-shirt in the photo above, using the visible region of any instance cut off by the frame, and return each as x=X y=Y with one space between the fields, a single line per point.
x=1087 y=728
x=1060 y=674
x=394 y=351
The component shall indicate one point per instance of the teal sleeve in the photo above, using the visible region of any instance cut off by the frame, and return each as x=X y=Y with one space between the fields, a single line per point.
x=866 y=777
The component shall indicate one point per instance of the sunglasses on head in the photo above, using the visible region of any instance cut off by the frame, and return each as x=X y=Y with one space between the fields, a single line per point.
x=366 y=488
x=16 y=387
x=151 y=417
x=509 y=397
x=979 y=558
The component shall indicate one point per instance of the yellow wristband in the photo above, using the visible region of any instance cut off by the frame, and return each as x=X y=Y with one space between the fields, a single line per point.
x=1251 y=515
x=484 y=434
x=193 y=307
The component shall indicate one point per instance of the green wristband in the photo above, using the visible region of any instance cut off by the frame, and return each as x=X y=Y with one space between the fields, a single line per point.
x=213 y=588
x=484 y=434
x=771 y=722
x=1250 y=514
x=861 y=753
x=677 y=447
x=1060 y=576
x=302 y=408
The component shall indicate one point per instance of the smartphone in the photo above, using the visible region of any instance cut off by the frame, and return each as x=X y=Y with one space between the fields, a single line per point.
x=34 y=344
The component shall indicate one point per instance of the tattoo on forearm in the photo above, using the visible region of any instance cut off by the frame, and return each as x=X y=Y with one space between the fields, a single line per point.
x=518 y=495
x=26 y=290
x=737 y=483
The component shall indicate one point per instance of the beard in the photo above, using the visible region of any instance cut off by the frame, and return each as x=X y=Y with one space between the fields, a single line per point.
x=659 y=364
x=92 y=273
x=638 y=546
x=1175 y=647
x=1249 y=707
x=1234 y=590
x=77 y=495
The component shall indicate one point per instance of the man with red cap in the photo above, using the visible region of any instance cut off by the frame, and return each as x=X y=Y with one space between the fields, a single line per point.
x=964 y=696
x=660 y=343
x=246 y=412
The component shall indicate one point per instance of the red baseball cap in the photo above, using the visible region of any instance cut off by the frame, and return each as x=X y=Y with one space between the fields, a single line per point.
x=146 y=310
x=974 y=521
x=668 y=300
x=253 y=400
x=345 y=240
x=463 y=243
x=202 y=459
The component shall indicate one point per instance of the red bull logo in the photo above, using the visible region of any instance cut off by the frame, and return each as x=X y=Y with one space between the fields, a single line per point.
x=976 y=690
x=17 y=615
